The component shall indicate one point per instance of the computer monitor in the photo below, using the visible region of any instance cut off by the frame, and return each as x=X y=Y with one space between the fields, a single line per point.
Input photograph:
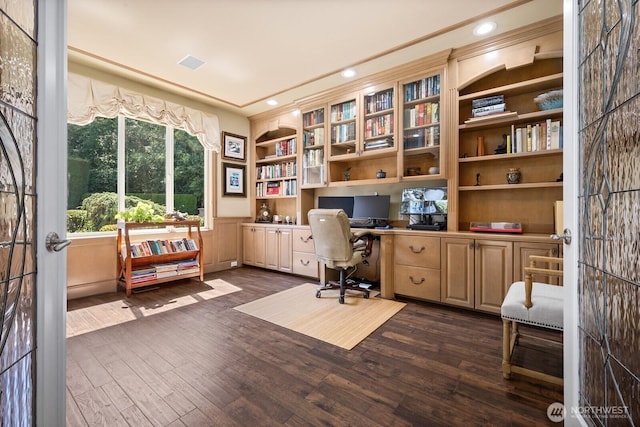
x=337 y=202
x=371 y=207
x=424 y=201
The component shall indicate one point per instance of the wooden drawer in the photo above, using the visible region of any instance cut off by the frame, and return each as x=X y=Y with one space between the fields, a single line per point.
x=305 y=264
x=302 y=241
x=417 y=251
x=417 y=282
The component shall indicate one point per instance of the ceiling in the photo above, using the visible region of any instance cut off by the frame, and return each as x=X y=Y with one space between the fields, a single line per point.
x=255 y=50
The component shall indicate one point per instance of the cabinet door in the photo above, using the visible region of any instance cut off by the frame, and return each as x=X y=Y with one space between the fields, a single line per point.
x=493 y=273
x=523 y=250
x=457 y=272
x=285 y=254
x=271 y=248
x=248 y=246
x=259 y=245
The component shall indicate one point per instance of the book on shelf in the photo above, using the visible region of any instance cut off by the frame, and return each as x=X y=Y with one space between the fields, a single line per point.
x=534 y=137
x=273 y=188
x=487 y=101
x=489 y=109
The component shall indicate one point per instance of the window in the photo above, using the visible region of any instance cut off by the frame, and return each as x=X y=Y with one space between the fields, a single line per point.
x=115 y=163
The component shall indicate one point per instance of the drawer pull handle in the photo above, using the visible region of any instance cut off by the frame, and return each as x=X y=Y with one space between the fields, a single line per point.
x=305 y=240
x=304 y=263
x=416 y=283
x=414 y=250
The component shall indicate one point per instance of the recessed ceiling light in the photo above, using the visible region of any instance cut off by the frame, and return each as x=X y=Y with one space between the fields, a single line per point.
x=348 y=73
x=484 y=28
x=191 y=62
x=272 y=102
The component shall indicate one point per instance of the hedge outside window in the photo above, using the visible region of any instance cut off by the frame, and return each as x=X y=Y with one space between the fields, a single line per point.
x=114 y=163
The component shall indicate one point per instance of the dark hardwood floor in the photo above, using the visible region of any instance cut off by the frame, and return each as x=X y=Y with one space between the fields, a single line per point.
x=205 y=364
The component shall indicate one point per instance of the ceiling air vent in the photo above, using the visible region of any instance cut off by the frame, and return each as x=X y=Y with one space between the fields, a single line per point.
x=191 y=62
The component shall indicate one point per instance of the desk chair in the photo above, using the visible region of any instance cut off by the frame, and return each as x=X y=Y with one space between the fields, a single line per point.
x=531 y=303
x=339 y=248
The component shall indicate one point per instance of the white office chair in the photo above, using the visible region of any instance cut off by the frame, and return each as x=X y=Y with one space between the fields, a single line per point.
x=531 y=303
x=338 y=248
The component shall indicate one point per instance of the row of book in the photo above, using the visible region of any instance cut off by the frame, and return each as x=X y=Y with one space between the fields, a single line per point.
x=312 y=118
x=344 y=111
x=422 y=88
x=311 y=137
x=379 y=102
x=161 y=247
x=421 y=138
x=342 y=133
x=486 y=106
x=312 y=158
x=286 y=148
x=546 y=135
x=287 y=187
x=422 y=114
x=278 y=170
x=380 y=125
x=160 y=271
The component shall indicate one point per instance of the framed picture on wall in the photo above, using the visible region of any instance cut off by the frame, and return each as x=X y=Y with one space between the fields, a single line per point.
x=233 y=146
x=234 y=180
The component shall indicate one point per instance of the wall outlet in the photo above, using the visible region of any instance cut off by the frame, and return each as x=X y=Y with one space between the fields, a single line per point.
x=234 y=263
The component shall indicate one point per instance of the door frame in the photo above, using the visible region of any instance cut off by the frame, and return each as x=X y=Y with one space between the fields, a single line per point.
x=51 y=194
x=571 y=191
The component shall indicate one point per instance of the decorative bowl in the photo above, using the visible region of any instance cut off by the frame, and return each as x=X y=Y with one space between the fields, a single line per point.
x=549 y=100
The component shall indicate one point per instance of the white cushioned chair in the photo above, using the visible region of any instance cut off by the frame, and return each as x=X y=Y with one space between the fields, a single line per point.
x=338 y=248
x=532 y=303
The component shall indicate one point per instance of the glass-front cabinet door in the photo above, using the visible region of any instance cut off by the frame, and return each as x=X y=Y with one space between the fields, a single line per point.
x=421 y=106
x=313 y=147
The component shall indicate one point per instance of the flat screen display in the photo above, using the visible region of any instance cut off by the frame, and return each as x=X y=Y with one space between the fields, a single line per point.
x=337 y=202
x=424 y=201
x=371 y=207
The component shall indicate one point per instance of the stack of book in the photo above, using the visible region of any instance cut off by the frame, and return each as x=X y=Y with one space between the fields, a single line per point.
x=486 y=106
x=143 y=274
x=188 y=267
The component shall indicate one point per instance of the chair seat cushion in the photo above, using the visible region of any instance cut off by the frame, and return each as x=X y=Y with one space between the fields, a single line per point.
x=547 y=305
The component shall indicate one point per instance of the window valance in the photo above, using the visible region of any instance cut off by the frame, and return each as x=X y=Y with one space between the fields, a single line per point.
x=88 y=98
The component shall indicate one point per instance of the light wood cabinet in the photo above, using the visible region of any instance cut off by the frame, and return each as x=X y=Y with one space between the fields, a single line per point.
x=420 y=117
x=476 y=273
x=417 y=267
x=313 y=148
x=278 y=249
x=304 y=255
x=522 y=137
x=253 y=245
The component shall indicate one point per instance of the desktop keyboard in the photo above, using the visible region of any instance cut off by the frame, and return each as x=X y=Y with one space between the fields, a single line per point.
x=362 y=224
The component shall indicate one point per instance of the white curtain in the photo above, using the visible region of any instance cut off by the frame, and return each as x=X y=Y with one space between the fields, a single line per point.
x=88 y=98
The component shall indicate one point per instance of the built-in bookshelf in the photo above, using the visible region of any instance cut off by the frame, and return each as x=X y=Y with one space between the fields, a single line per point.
x=379 y=120
x=144 y=262
x=276 y=169
x=421 y=130
x=343 y=128
x=313 y=147
x=518 y=136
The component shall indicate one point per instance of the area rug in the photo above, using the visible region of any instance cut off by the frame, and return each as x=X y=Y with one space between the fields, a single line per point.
x=344 y=325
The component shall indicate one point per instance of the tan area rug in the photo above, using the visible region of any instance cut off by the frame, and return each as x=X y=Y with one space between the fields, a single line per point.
x=343 y=325
x=119 y=309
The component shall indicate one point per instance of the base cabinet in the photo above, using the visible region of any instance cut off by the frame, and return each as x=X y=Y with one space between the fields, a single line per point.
x=304 y=255
x=417 y=267
x=476 y=273
x=278 y=249
x=521 y=254
x=253 y=246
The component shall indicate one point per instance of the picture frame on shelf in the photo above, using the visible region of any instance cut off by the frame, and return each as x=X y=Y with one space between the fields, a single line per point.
x=234 y=146
x=234 y=181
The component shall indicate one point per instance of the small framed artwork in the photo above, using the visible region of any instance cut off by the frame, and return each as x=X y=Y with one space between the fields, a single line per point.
x=233 y=146
x=234 y=180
